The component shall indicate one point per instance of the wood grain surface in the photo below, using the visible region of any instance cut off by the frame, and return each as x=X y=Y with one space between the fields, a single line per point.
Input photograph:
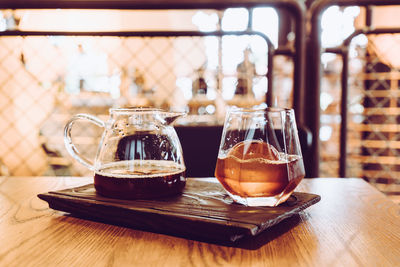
x=352 y=225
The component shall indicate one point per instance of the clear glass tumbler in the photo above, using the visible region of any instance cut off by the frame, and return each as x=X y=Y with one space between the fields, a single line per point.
x=259 y=161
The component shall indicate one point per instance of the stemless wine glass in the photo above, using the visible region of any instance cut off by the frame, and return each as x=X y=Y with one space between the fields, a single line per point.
x=259 y=161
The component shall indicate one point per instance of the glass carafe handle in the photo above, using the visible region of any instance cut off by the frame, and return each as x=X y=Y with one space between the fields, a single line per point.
x=71 y=148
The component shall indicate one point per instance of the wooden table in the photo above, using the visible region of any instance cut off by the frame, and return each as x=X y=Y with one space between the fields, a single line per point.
x=352 y=225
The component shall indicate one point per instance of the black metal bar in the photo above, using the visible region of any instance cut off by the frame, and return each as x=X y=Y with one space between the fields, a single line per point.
x=312 y=101
x=343 y=112
x=270 y=93
x=299 y=68
x=250 y=20
x=368 y=16
x=319 y=6
x=166 y=33
x=347 y=41
x=146 y=4
x=284 y=51
x=368 y=30
x=333 y=50
x=288 y=51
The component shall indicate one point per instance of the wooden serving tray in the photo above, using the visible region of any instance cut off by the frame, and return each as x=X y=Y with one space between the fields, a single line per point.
x=203 y=211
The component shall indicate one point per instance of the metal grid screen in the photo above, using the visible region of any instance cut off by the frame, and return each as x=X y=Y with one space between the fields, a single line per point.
x=45 y=80
x=359 y=97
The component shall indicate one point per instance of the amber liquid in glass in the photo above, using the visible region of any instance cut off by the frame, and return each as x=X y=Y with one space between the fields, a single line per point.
x=254 y=169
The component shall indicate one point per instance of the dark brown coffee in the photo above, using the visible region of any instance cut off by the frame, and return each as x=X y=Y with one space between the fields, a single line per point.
x=140 y=180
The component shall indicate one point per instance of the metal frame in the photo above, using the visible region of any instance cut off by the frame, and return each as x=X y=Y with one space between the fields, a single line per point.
x=271 y=50
x=293 y=8
x=314 y=73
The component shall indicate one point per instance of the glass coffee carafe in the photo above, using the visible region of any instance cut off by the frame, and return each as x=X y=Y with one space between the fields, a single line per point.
x=139 y=155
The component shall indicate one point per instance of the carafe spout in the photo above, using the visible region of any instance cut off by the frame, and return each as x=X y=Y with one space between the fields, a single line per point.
x=172 y=116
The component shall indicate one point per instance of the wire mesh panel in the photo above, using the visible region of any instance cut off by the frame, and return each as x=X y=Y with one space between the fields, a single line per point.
x=171 y=56
x=379 y=157
x=359 y=98
x=45 y=80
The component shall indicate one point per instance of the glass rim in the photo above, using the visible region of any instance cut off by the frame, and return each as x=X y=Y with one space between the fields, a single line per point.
x=143 y=110
x=259 y=110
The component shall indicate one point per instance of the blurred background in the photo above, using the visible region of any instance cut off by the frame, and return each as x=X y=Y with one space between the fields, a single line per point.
x=47 y=78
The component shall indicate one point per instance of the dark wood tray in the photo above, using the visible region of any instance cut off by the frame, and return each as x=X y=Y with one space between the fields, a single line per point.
x=203 y=211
